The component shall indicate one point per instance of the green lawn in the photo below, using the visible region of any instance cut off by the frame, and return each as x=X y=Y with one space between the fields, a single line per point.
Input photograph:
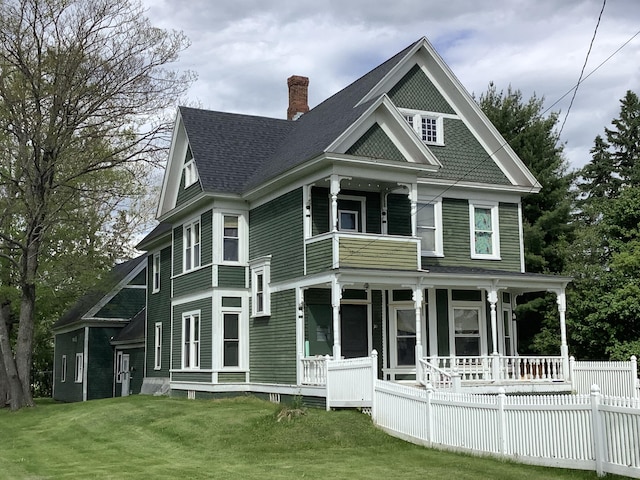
x=159 y=437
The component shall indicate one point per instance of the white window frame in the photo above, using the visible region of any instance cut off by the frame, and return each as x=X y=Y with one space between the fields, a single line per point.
x=193 y=360
x=157 y=346
x=156 y=273
x=238 y=238
x=191 y=245
x=79 y=367
x=261 y=267
x=238 y=314
x=361 y=216
x=415 y=117
x=495 y=230
x=437 y=228
x=190 y=173
x=63 y=369
x=482 y=324
x=119 y=366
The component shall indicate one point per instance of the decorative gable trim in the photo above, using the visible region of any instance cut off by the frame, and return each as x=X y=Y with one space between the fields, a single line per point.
x=386 y=115
x=424 y=55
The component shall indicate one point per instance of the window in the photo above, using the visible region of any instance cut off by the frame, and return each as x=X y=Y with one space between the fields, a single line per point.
x=63 y=369
x=157 y=349
x=467 y=331
x=231 y=339
x=348 y=220
x=192 y=246
x=79 y=366
x=351 y=213
x=191 y=340
x=190 y=173
x=260 y=295
x=119 y=367
x=484 y=231
x=429 y=228
x=156 y=272
x=231 y=240
x=428 y=125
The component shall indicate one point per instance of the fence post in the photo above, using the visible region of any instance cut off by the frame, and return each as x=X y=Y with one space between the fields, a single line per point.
x=430 y=391
x=327 y=382
x=455 y=380
x=374 y=378
x=634 y=376
x=502 y=395
x=572 y=378
x=597 y=430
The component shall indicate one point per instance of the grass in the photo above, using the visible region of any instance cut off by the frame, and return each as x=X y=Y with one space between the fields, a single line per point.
x=160 y=437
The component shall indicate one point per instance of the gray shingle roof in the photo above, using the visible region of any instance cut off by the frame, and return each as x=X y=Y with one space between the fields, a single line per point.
x=235 y=152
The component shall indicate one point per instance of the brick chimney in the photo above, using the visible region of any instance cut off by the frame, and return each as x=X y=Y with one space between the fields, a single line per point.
x=298 y=103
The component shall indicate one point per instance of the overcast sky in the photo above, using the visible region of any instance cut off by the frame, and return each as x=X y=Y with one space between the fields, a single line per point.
x=244 y=50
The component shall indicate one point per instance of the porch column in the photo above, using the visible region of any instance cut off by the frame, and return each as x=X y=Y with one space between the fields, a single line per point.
x=417 y=299
x=413 y=199
x=564 y=348
x=334 y=190
x=300 y=340
x=336 y=296
x=492 y=297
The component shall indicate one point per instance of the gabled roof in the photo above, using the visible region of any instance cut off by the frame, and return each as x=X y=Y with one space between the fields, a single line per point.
x=237 y=153
x=134 y=331
x=104 y=290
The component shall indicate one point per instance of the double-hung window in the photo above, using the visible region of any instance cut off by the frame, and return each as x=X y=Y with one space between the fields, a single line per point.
x=191 y=340
x=157 y=349
x=231 y=339
x=191 y=244
x=63 y=369
x=231 y=239
x=429 y=228
x=485 y=239
x=79 y=367
x=260 y=295
x=428 y=125
x=156 y=272
x=190 y=173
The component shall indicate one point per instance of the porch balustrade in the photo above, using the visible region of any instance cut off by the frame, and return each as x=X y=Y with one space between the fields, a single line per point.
x=314 y=370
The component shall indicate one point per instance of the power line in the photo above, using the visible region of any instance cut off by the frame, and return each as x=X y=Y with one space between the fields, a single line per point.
x=575 y=91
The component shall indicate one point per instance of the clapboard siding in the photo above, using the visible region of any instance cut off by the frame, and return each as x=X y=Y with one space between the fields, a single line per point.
x=319 y=256
x=159 y=310
x=204 y=305
x=378 y=253
x=232 y=276
x=195 y=281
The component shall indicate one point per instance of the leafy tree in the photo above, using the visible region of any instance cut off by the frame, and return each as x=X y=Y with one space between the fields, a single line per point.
x=84 y=85
x=546 y=215
x=604 y=301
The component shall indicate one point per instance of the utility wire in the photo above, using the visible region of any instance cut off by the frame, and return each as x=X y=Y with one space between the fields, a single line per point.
x=575 y=91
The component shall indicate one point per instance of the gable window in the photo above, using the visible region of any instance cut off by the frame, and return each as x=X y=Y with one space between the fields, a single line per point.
x=157 y=349
x=79 y=366
x=191 y=340
x=190 y=173
x=191 y=246
x=485 y=240
x=231 y=239
x=428 y=125
x=156 y=272
x=63 y=369
x=260 y=294
x=429 y=228
x=231 y=339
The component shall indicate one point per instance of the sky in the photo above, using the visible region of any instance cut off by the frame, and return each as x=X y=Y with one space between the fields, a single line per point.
x=243 y=51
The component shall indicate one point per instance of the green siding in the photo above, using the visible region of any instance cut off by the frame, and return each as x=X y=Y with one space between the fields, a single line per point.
x=376 y=144
x=320 y=210
x=68 y=344
x=378 y=253
x=231 y=377
x=232 y=276
x=140 y=279
x=398 y=215
x=456 y=238
x=231 y=302
x=204 y=305
x=318 y=319
x=206 y=238
x=202 y=377
x=273 y=342
x=136 y=361
x=377 y=308
x=442 y=314
x=100 y=369
x=417 y=92
x=195 y=281
x=186 y=194
x=177 y=250
x=125 y=304
x=319 y=256
x=159 y=310
x=275 y=229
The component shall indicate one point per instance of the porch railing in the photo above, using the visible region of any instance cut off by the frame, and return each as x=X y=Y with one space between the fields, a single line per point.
x=430 y=374
x=314 y=370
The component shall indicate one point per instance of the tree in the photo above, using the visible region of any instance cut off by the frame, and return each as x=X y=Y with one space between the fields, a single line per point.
x=84 y=86
x=604 y=302
x=546 y=215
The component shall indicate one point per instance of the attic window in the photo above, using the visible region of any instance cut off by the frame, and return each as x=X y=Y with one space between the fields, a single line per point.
x=190 y=173
x=428 y=126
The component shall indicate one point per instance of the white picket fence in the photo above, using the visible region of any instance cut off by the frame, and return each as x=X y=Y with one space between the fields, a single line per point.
x=619 y=379
x=591 y=432
x=350 y=381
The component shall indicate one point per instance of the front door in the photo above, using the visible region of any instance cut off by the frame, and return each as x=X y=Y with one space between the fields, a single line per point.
x=354 y=333
x=126 y=375
x=403 y=339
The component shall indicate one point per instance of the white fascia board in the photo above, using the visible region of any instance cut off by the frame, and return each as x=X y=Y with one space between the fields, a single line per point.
x=448 y=186
x=386 y=115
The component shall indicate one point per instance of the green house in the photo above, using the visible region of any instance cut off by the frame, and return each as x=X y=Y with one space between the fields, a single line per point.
x=99 y=342
x=388 y=217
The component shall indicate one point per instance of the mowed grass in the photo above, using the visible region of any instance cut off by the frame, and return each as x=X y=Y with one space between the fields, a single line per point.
x=159 y=437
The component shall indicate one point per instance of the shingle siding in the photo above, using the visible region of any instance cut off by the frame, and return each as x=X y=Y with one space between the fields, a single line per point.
x=416 y=91
x=375 y=143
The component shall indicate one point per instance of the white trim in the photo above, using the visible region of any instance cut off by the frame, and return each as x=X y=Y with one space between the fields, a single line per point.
x=78 y=372
x=218 y=236
x=118 y=366
x=190 y=172
x=195 y=346
x=189 y=229
x=437 y=227
x=155 y=272
x=85 y=364
x=521 y=237
x=493 y=207
x=261 y=267
x=417 y=117
x=157 y=346
x=218 y=339
x=63 y=368
x=479 y=307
